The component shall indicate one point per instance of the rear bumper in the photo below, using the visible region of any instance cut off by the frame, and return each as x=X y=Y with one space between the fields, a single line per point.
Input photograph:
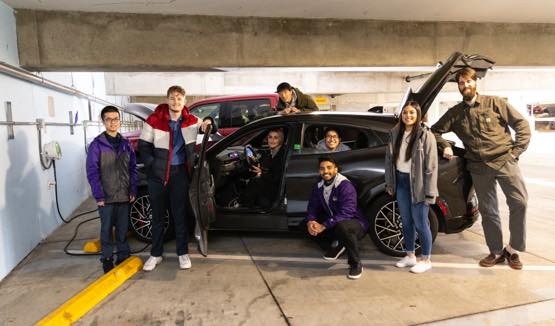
x=460 y=223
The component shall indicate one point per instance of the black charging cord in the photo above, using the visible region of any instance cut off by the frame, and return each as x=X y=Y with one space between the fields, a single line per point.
x=66 y=250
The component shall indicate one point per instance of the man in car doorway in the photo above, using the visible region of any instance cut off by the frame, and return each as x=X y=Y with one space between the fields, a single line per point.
x=334 y=219
x=167 y=147
x=482 y=123
x=292 y=100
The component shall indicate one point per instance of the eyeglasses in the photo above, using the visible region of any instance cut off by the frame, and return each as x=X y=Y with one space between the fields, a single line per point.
x=332 y=137
x=108 y=120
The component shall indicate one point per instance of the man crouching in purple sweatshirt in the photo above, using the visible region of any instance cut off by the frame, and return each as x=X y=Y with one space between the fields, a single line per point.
x=112 y=174
x=334 y=219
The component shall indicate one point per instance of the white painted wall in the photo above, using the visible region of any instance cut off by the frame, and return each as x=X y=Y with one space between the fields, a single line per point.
x=27 y=205
x=8 y=37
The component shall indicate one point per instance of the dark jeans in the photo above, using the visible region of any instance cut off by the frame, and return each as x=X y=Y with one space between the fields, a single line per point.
x=260 y=192
x=175 y=194
x=347 y=232
x=115 y=214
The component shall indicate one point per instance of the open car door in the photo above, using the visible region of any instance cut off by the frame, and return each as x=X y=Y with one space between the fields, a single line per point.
x=201 y=195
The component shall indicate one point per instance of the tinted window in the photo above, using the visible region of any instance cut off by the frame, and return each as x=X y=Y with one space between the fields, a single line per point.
x=355 y=138
x=239 y=113
x=257 y=138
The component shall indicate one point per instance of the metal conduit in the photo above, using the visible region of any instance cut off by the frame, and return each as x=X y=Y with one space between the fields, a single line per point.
x=25 y=75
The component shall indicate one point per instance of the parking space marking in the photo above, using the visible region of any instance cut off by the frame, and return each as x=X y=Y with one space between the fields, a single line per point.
x=368 y=262
x=540 y=182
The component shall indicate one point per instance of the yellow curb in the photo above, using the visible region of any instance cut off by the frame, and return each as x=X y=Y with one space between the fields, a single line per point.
x=80 y=304
x=92 y=246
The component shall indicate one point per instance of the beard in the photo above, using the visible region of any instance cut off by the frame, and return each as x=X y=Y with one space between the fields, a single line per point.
x=327 y=176
x=468 y=93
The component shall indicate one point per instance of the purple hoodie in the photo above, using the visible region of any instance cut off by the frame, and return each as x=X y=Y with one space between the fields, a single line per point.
x=342 y=204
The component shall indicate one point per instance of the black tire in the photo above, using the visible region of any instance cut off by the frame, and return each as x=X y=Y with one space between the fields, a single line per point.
x=140 y=218
x=386 y=228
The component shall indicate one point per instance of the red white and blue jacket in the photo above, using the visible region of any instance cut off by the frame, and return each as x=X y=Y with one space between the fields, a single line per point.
x=155 y=143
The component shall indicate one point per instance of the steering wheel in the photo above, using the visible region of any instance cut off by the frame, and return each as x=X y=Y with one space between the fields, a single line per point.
x=251 y=156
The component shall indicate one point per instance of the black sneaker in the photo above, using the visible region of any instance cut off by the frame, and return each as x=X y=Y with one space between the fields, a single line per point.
x=107 y=265
x=334 y=252
x=355 y=271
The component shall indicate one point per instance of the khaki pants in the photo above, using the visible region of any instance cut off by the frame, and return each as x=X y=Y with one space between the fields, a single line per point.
x=512 y=184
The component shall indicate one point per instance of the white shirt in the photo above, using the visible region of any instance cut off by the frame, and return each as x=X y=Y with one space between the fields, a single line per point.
x=402 y=165
x=327 y=193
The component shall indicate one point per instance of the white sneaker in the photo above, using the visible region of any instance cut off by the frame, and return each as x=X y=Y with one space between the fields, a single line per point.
x=406 y=262
x=151 y=263
x=184 y=261
x=421 y=267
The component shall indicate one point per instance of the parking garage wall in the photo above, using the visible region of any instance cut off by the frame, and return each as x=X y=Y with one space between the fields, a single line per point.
x=27 y=201
x=8 y=36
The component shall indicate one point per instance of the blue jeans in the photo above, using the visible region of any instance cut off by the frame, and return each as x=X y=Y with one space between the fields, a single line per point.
x=115 y=214
x=413 y=216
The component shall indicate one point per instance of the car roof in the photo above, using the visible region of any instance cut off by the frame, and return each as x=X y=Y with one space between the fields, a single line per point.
x=140 y=110
x=233 y=98
x=325 y=117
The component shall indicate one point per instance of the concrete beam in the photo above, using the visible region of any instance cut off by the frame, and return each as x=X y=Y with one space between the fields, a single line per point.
x=50 y=40
x=233 y=83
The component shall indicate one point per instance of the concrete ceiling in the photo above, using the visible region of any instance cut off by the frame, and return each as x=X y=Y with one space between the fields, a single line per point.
x=508 y=11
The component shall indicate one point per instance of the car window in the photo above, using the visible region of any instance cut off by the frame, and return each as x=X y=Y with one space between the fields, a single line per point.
x=208 y=110
x=240 y=113
x=377 y=138
x=353 y=137
x=257 y=138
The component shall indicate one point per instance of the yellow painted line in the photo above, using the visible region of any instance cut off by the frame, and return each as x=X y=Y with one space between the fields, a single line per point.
x=80 y=304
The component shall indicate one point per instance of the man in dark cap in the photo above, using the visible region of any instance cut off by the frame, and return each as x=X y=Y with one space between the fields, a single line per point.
x=292 y=100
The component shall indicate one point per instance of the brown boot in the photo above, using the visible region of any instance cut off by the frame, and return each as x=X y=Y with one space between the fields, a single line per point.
x=490 y=260
x=513 y=260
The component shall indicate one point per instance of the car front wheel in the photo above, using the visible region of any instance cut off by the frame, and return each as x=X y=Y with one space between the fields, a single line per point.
x=386 y=227
x=140 y=218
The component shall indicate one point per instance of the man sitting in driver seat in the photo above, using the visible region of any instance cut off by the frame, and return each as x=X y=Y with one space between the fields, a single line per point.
x=263 y=189
x=332 y=142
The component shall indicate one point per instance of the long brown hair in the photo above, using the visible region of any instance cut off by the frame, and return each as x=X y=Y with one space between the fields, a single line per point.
x=413 y=133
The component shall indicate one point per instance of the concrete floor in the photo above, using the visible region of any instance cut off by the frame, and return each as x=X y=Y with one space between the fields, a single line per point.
x=280 y=279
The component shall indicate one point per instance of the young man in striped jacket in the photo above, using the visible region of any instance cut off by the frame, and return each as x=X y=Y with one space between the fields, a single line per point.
x=167 y=147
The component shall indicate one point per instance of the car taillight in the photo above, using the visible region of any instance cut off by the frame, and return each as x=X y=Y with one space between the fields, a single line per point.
x=472 y=205
x=441 y=204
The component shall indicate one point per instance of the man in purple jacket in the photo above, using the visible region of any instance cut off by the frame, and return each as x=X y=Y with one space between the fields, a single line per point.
x=112 y=174
x=334 y=219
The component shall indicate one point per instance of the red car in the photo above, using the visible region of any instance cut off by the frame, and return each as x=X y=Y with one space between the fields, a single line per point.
x=232 y=112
